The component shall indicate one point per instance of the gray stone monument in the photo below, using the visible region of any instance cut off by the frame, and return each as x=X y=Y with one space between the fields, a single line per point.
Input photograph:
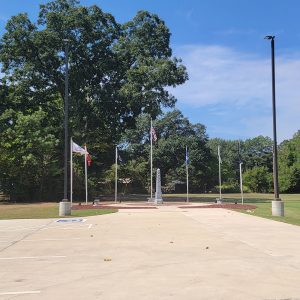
x=158 y=198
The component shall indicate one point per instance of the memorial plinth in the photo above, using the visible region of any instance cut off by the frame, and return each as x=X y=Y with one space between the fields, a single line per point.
x=158 y=197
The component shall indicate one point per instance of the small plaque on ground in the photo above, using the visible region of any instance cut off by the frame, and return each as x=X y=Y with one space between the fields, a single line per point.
x=70 y=220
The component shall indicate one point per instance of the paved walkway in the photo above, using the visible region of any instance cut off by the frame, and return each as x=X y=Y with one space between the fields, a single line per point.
x=164 y=253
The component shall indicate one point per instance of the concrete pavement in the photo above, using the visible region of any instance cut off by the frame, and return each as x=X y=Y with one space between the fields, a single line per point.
x=164 y=253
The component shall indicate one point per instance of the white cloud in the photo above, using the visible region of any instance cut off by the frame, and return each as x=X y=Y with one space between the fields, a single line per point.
x=237 y=86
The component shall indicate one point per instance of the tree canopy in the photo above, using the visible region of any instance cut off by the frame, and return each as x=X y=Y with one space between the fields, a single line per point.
x=116 y=72
x=119 y=79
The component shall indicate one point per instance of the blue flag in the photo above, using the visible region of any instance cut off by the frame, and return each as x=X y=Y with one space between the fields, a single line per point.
x=120 y=159
x=187 y=159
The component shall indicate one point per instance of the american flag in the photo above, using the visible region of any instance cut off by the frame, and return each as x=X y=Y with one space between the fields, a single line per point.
x=153 y=134
x=88 y=157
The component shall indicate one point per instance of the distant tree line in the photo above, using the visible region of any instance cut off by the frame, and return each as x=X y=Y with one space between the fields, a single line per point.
x=119 y=79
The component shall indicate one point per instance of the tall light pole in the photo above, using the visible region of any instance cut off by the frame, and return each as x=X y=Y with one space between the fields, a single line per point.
x=65 y=205
x=66 y=120
x=277 y=204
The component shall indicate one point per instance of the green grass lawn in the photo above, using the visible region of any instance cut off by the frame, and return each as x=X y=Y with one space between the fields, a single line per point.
x=264 y=209
x=237 y=196
x=262 y=201
x=43 y=211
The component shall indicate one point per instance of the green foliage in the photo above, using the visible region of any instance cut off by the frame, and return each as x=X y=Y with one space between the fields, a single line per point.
x=174 y=133
x=289 y=164
x=116 y=72
x=28 y=154
x=119 y=78
x=230 y=159
x=258 y=180
x=255 y=152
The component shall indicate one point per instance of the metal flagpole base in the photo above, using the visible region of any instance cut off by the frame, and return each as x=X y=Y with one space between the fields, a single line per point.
x=219 y=201
x=158 y=201
x=150 y=200
x=278 y=208
x=64 y=208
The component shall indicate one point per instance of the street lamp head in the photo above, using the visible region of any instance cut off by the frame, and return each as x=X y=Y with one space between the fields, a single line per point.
x=269 y=37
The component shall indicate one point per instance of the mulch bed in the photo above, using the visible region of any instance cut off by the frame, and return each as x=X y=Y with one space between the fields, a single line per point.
x=164 y=204
x=226 y=205
x=80 y=207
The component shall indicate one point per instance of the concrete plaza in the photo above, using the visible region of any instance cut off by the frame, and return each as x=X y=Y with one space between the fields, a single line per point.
x=163 y=253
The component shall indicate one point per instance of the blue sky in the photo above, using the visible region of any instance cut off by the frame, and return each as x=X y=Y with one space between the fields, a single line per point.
x=228 y=61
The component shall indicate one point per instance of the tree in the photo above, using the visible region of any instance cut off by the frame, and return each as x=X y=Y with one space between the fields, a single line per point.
x=289 y=164
x=174 y=133
x=258 y=180
x=258 y=152
x=116 y=73
x=255 y=152
x=28 y=155
x=230 y=159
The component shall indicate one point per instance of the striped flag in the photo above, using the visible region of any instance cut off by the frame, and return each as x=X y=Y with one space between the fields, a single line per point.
x=88 y=159
x=153 y=134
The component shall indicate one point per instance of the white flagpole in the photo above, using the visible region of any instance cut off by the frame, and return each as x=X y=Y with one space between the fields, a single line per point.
x=187 y=175
x=151 y=162
x=241 y=182
x=220 y=179
x=116 y=177
x=71 y=171
x=85 y=166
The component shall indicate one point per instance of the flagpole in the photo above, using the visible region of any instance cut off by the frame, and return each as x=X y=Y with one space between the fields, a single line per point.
x=151 y=162
x=116 y=177
x=85 y=167
x=241 y=172
x=71 y=171
x=241 y=182
x=220 y=179
x=187 y=174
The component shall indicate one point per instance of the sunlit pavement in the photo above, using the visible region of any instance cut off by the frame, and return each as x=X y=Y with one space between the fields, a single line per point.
x=163 y=253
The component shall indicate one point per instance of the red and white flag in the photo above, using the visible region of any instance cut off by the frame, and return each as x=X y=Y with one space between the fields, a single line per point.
x=153 y=134
x=88 y=157
x=77 y=149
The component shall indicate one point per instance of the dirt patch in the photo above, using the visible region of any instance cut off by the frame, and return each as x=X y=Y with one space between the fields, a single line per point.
x=163 y=204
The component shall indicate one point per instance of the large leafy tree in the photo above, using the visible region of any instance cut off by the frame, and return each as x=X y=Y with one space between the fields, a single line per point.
x=116 y=72
x=255 y=152
x=258 y=180
x=28 y=157
x=230 y=159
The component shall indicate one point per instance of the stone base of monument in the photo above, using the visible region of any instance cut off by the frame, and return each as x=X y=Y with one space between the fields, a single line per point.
x=278 y=208
x=64 y=208
x=219 y=201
